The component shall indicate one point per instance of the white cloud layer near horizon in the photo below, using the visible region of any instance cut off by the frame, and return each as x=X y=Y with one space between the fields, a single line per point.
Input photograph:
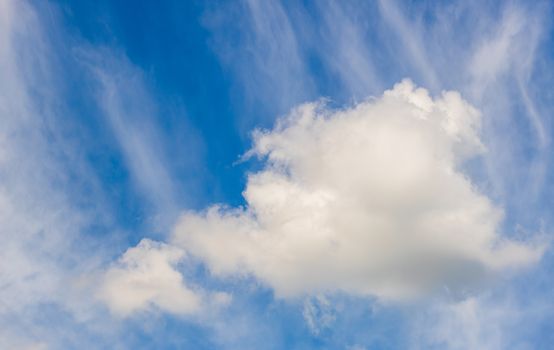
x=368 y=200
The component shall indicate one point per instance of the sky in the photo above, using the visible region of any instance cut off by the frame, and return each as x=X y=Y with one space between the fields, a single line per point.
x=276 y=174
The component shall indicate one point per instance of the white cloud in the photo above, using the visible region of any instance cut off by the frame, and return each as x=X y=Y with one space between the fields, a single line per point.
x=319 y=313
x=368 y=200
x=145 y=277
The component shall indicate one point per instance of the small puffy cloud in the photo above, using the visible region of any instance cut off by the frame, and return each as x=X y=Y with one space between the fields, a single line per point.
x=145 y=277
x=368 y=200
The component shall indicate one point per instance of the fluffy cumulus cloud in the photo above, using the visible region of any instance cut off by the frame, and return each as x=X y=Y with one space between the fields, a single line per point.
x=368 y=200
x=145 y=277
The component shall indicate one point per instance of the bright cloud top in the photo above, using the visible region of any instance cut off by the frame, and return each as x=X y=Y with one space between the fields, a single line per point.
x=368 y=200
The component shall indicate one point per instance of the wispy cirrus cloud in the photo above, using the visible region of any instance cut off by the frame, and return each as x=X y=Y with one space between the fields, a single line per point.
x=129 y=110
x=59 y=224
x=40 y=224
x=270 y=67
x=412 y=42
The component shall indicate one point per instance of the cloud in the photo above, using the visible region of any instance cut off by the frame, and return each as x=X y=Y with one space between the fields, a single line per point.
x=49 y=198
x=129 y=110
x=342 y=45
x=496 y=56
x=270 y=66
x=38 y=220
x=145 y=277
x=56 y=208
x=369 y=200
x=497 y=320
x=412 y=43
x=318 y=313
x=395 y=226
x=506 y=80
x=462 y=325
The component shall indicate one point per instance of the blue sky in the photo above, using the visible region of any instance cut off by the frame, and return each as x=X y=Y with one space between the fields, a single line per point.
x=276 y=175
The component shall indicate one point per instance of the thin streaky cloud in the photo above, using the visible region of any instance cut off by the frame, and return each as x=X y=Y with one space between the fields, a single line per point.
x=411 y=39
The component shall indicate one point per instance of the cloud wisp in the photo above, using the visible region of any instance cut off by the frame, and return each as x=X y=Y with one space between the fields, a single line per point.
x=49 y=196
x=57 y=220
